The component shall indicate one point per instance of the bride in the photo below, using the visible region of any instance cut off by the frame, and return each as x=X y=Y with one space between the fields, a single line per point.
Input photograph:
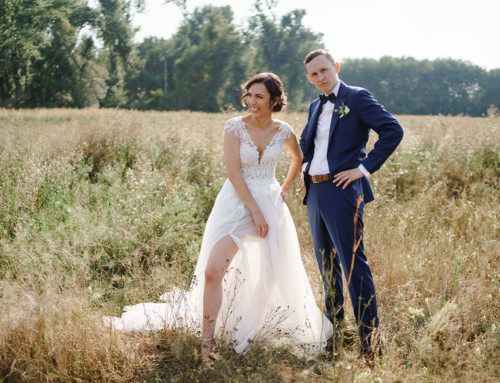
x=249 y=282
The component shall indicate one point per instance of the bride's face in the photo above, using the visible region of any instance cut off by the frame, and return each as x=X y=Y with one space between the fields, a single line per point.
x=259 y=100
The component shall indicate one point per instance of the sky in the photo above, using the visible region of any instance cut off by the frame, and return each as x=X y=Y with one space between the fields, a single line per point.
x=426 y=29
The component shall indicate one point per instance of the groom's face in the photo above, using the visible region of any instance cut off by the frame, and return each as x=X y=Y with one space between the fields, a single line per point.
x=323 y=74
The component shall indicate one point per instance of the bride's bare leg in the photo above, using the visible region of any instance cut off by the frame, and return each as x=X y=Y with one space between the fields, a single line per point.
x=220 y=257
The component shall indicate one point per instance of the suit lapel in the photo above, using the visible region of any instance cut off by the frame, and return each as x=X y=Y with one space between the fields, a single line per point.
x=335 y=117
x=313 y=124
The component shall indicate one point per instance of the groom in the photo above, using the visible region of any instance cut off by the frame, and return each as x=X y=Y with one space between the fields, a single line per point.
x=335 y=172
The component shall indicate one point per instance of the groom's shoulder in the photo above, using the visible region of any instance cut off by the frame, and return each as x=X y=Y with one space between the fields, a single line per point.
x=354 y=89
x=356 y=93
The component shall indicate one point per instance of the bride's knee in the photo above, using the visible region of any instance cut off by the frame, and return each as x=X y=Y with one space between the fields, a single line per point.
x=213 y=275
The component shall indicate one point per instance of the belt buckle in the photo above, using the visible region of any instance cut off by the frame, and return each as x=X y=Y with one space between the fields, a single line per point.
x=320 y=178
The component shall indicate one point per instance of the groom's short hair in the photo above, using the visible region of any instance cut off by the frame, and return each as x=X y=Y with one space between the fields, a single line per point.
x=316 y=53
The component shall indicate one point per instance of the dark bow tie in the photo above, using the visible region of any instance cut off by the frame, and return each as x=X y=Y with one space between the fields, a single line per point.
x=331 y=97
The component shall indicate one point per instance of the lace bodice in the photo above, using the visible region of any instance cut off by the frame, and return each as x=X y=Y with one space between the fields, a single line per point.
x=251 y=166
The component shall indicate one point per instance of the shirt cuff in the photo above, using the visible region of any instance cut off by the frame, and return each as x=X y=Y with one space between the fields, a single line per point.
x=364 y=171
x=304 y=166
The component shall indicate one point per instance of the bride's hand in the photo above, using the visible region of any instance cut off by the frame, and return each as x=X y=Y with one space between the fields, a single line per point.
x=301 y=183
x=284 y=191
x=260 y=224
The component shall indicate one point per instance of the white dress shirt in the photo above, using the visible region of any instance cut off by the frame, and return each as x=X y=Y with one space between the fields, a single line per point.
x=319 y=163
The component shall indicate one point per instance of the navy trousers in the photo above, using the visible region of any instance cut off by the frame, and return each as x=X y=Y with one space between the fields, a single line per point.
x=331 y=211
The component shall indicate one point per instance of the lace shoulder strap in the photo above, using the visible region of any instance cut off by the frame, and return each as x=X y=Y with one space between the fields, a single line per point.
x=234 y=124
x=286 y=130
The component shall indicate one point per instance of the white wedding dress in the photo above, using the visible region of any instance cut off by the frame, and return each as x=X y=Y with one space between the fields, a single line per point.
x=266 y=292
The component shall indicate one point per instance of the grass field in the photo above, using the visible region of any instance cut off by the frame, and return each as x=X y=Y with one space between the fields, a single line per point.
x=104 y=208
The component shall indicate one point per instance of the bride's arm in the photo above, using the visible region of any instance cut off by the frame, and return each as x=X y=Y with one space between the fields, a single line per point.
x=293 y=147
x=233 y=170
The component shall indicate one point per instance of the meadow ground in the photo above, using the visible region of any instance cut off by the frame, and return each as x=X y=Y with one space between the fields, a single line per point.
x=104 y=208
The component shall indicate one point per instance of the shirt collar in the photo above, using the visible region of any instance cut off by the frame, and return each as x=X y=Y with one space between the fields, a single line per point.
x=336 y=89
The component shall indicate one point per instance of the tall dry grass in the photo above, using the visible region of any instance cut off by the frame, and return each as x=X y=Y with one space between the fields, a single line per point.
x=100 y=209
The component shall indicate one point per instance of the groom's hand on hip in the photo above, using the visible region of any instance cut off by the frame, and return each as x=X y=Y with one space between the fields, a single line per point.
x=346 y=177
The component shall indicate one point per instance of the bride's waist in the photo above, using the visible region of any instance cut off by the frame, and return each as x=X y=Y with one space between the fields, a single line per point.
x=259 y=184
x=260 y=181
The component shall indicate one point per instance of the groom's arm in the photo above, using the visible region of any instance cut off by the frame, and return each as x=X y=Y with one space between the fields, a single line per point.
x=389 y=130
x=302 y=144
x=303 y=135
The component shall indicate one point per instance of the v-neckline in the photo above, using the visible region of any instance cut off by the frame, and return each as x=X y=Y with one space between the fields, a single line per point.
x=260 y=155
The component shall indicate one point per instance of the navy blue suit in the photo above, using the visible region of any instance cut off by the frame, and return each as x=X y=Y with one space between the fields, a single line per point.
x=332 y=210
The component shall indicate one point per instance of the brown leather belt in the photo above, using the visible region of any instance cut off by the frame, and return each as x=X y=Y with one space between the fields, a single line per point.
x=321 y=178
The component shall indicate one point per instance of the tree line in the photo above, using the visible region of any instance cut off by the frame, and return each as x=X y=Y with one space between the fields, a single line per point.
x=64 y=53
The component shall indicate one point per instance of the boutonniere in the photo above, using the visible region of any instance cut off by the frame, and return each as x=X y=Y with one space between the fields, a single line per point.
x=343 y=110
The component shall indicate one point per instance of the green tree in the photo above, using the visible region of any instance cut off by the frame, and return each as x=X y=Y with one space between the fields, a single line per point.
x=55 y=72
x=281 y=46
x=116 y=32
x=148 y=86
x=21 y=33
x=88 y=87
x=39 y=53
x=490 y=96
x=207 y=66
x=408 y=86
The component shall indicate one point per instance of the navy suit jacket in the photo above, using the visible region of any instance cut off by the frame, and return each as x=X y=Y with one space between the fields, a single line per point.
x=349 y=135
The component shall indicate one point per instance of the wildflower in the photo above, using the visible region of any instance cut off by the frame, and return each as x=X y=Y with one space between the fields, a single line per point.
x=417 y=314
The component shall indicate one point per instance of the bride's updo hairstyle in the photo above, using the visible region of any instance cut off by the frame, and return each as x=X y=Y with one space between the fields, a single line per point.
x=273 y=85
